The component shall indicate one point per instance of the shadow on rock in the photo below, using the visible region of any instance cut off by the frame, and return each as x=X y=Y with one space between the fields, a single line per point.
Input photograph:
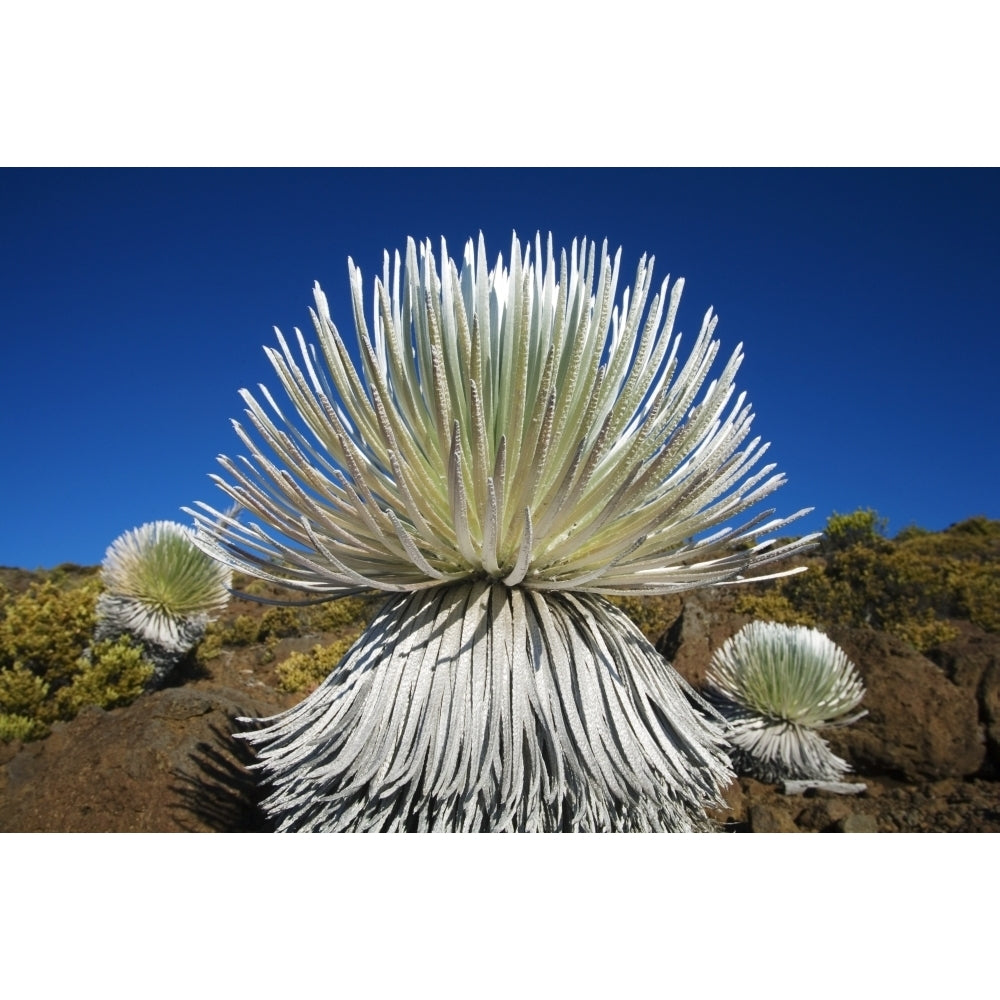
x=218 y=791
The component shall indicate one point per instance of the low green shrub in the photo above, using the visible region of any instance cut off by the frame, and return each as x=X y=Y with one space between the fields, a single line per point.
x=863 y=527
x=346 y=612
x=48 y=668
x=22 y=693
x=305 y=671
x=909 y=586
x=243 y=630
x=280 y=622
x=113 y=674
x=20 y=727
x=47 y=627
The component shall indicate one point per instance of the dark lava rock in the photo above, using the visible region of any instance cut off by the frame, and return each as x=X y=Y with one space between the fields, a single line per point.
x=886 y=806
x=705 y=623
x=166 y=763
x=919 y=724
x=972 y=661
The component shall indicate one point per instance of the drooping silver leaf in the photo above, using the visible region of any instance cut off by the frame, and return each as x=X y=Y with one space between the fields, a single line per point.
x=481 y=707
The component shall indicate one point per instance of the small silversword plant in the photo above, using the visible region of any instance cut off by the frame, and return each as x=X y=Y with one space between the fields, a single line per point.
x=513 y=446
x=162 y=590
x=777 y=685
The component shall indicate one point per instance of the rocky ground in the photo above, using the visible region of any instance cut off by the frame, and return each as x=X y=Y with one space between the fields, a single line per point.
x=928 y=752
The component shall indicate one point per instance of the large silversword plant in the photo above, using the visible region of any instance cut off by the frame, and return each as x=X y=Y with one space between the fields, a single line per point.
x=779 y=685
x=162 y=590
x=514 y=446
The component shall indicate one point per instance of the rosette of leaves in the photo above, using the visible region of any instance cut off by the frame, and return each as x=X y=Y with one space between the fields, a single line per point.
x=511 y=446
x=779 y=685
x=162 y=590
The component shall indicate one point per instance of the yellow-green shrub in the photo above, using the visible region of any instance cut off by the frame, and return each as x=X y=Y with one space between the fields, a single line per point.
x=342 y=613
x=114 y=675
x=280 y=622
x=977 y=593
x=22 y=693
x=20 y=727
x=211 y=646
x=863 y=527
x=44 y=674
x=241 y=631
x=349 y=616
x=907 y=586
x=304 y=671
x=774 y=606
x=46 y=628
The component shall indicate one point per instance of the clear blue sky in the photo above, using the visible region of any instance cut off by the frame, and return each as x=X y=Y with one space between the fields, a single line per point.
x=134 y=304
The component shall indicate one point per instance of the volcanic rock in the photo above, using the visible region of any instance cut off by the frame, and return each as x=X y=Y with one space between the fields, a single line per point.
x=919 y=724
x=166 y=763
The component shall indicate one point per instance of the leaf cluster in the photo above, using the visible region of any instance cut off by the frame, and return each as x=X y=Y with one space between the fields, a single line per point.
x=160 y=588
x=522 y=424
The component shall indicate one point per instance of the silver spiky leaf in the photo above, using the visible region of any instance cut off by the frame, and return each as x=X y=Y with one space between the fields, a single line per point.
x=777 y=685
x=477 y=706
x=513 y=425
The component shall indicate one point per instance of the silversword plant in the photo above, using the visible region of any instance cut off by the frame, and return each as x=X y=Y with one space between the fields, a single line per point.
x=778 y=685
x=162 y=590
x=512 y=446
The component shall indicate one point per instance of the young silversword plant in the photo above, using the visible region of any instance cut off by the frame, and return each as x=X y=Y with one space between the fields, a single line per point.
x=513 y=447
x=162 y=590
x=778 y=685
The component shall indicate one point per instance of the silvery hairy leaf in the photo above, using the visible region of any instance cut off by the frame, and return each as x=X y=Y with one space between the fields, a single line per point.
x=477 y=706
